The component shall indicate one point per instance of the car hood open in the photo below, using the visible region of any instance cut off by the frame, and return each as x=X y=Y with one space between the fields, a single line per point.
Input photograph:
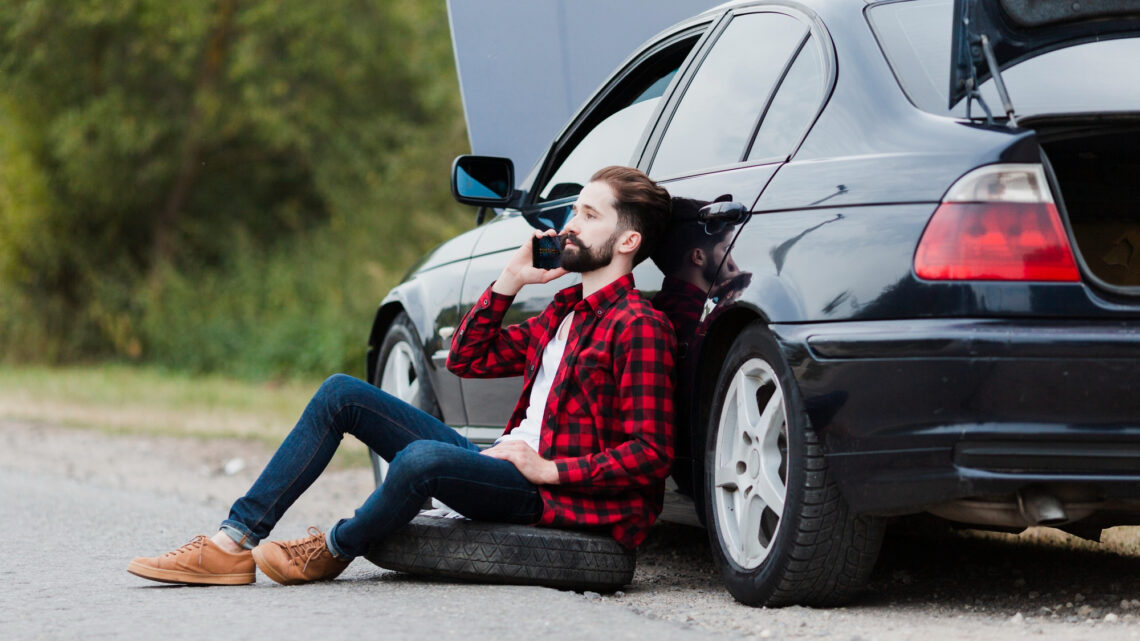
x=1021 y=29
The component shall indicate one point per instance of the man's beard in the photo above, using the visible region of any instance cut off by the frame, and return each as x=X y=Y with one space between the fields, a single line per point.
x=587 y=259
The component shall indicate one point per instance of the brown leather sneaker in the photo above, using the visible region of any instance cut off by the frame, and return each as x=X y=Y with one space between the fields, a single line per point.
x=200 y=562
x=299 y=560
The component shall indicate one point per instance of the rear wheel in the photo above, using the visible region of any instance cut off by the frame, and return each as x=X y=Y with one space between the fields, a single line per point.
x=780 y=531
x=401 y=370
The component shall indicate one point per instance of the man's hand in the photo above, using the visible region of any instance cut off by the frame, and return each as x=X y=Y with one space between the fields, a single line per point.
x=520 y=270
x=533 y=467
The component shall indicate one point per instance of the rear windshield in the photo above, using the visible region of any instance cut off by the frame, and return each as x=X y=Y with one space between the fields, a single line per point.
x=915 y=36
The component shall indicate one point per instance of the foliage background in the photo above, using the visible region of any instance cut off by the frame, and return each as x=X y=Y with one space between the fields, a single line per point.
x=221 y=185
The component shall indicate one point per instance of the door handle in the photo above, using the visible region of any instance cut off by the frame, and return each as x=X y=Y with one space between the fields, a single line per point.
x=729 y=213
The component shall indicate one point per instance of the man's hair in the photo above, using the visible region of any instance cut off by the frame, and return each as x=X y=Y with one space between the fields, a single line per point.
x=642 y=205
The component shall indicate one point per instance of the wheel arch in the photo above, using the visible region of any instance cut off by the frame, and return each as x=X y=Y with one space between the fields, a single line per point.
x=385 y=314
x=719 y=336
x=408 y=297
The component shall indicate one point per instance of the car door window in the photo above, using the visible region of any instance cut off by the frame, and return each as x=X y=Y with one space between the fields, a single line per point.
x=714 y=121
x=609 y=134
x=794 y=107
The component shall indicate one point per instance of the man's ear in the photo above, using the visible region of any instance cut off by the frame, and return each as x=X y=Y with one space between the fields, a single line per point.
x=697 y=256
x=629 y=242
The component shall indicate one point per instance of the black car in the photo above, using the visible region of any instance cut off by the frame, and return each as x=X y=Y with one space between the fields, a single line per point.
x=900 y=285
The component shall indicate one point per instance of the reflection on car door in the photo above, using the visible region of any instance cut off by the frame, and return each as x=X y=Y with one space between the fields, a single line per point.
x=742 y=114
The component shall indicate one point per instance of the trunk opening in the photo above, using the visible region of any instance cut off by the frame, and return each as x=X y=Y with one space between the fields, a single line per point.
x=1096 y=174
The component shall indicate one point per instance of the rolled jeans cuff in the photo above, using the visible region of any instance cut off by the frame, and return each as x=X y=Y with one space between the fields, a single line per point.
x=240 y=534
x=334 y=549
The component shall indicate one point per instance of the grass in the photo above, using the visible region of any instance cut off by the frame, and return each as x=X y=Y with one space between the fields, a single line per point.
x=122 y=399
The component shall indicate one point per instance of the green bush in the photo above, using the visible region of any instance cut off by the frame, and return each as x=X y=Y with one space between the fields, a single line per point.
x=225 y=186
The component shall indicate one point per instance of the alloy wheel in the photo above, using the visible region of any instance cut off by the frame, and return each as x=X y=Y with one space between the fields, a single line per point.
x=750 y=475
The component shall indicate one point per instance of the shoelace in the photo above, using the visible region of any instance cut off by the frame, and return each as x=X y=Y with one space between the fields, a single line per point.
x=198 y=542
x=308 y=548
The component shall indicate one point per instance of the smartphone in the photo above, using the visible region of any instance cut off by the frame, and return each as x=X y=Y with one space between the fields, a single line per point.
x=546 y=252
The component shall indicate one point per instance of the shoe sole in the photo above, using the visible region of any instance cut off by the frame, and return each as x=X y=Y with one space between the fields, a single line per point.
x=264 y=566
x=190 y=578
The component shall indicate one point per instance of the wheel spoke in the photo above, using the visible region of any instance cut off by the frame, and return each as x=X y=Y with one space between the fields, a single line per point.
x=769 y=489
x=771 y=420
x=751 y=511
x=735 y=428
x=725 y=475
x=399 y=378
x=403 y=367
x=748 y=414
x=413 y=392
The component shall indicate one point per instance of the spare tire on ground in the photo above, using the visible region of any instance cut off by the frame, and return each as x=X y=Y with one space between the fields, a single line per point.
x=502 y=553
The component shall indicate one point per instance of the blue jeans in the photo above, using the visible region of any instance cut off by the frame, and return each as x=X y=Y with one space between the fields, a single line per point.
x=427 y=459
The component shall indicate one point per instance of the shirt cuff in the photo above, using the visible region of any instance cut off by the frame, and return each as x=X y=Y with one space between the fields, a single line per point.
x=493 y=300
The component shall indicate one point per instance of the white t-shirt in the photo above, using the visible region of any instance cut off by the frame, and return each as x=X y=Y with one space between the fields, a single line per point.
x=529 y=429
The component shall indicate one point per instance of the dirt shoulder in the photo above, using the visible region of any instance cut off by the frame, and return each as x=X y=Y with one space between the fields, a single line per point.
x=940 y=585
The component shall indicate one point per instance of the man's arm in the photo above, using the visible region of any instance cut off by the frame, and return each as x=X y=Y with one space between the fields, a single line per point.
x=645 y=353
x=481 y=347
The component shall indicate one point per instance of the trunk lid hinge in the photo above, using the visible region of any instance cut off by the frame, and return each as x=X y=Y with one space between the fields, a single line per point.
x=981 y=49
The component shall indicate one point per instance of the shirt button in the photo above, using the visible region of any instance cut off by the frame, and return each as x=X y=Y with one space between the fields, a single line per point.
x=599 y=312
x=485 y=302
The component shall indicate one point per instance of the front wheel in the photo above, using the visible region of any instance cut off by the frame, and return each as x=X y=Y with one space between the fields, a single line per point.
x=779 y=529
x=401 y=370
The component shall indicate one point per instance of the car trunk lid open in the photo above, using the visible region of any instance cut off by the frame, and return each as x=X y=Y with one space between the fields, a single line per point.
x=1094 y=167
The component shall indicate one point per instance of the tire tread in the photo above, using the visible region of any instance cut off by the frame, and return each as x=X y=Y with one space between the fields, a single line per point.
x=500 y=553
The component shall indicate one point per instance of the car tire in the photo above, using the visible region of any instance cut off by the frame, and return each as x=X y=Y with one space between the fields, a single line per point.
x=780 y=531
x=503 y=553
x=401 y=370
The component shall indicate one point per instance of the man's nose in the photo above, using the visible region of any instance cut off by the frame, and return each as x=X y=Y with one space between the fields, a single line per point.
x=571 y=225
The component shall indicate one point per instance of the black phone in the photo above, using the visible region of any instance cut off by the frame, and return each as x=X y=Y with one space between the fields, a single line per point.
x=546 y=252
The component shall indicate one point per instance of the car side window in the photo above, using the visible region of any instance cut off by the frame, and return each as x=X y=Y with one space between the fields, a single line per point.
x=612 y=130
x=714 y=121
x=794 y=107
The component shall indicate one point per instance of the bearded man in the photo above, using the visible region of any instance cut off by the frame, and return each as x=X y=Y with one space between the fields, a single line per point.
x=589 y=444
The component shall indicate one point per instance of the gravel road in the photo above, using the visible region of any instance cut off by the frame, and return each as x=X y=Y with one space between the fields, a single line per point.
x=80 y=504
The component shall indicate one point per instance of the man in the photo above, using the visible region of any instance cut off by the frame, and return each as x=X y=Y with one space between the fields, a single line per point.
x=589 y=442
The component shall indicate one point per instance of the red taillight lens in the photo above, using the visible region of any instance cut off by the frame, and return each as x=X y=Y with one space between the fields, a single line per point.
x=1016 y=235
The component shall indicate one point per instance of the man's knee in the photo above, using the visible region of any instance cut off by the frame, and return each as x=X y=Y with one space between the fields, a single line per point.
x=337 y=383
x=423 y=460
x=338 y=390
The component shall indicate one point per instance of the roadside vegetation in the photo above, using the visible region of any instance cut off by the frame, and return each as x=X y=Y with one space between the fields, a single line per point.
x=217 y=187
x=148 y=401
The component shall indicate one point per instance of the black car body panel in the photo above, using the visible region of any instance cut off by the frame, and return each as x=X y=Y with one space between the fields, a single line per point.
x=924 y=392
x=967 y=407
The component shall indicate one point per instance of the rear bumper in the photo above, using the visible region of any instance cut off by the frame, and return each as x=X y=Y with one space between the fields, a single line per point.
x=918 y=413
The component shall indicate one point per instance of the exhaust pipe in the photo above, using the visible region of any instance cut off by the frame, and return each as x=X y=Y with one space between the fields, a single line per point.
x=1038 y=507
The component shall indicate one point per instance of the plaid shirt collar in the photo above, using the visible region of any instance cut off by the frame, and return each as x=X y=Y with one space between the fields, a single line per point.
x=599 y=301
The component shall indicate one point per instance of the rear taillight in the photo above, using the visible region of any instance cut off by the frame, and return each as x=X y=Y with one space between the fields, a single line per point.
x=997 y=223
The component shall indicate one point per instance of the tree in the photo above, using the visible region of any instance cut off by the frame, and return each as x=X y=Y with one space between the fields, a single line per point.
x=148 y=138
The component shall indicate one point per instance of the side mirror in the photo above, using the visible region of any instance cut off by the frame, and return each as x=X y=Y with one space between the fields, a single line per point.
x=483 y=180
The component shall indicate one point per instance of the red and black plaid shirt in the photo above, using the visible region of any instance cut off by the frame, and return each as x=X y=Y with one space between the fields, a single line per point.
x=608 y=422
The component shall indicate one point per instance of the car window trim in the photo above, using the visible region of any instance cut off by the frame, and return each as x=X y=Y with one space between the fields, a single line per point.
x=772 y=96
x=883 y=51
x=699 y=28
x=817 y=31
x=680 y=88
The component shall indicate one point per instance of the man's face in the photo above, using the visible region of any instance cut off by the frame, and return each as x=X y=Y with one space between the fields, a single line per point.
x=715 y=257
x=592 y=232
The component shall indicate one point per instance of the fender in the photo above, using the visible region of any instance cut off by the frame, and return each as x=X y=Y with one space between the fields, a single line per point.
x=406 y=297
